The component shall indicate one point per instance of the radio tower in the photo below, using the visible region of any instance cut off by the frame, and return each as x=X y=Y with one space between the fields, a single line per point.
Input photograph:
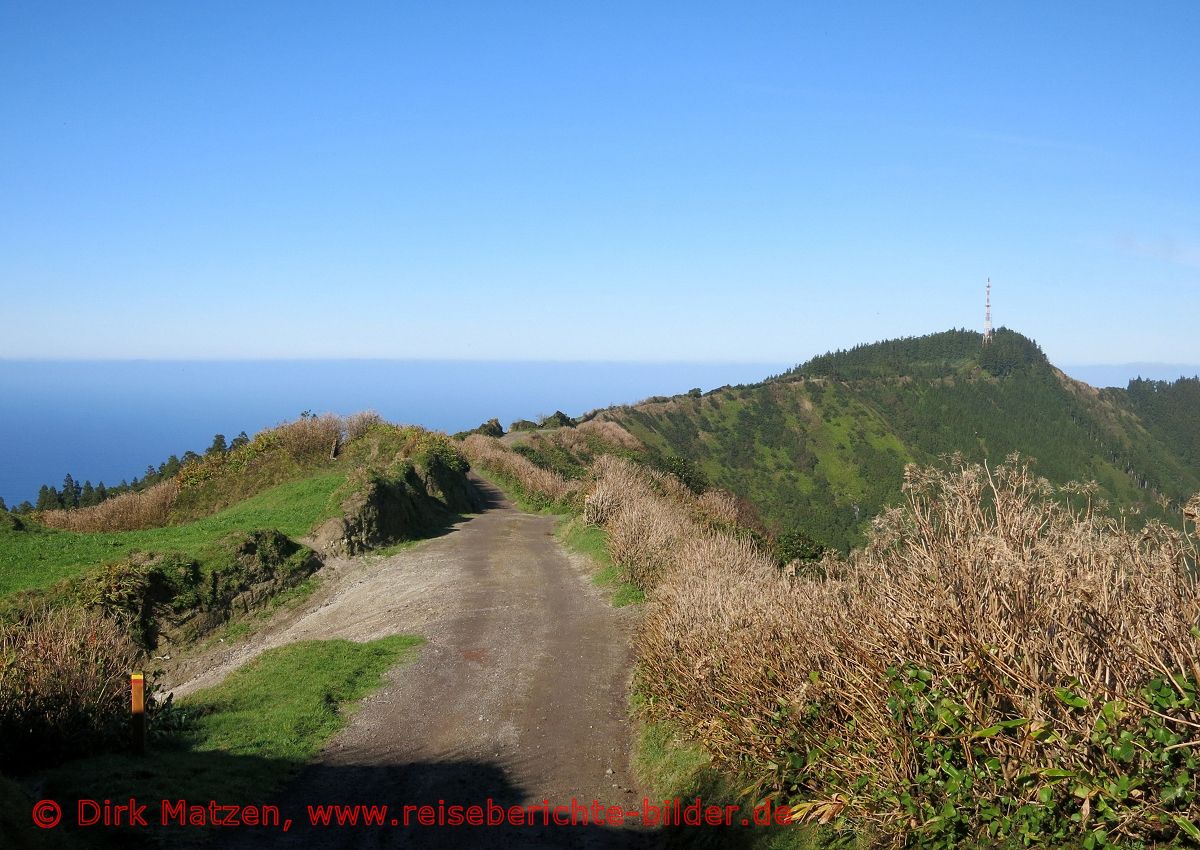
x=987 y=314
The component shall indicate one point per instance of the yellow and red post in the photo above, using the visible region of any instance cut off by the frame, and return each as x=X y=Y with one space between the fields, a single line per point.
x=137 y=688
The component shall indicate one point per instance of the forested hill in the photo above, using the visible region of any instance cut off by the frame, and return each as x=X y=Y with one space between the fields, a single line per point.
x=822 y=447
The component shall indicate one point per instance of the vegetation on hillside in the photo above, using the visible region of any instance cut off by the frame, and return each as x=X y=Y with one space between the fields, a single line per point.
x=1003 y=662
x=78 y=607
x=821 y=449
x=38 y=557
x=994 y=663
x=1170 y=410
x=289 y=479
x=74 y=494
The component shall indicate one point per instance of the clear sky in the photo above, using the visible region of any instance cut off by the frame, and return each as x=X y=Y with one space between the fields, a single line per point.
x=629 y=181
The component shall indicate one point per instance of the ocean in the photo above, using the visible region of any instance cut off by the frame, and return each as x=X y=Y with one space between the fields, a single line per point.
x=108 y=420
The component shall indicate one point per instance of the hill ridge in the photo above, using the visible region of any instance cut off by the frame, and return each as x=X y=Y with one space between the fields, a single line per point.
x=821 y=448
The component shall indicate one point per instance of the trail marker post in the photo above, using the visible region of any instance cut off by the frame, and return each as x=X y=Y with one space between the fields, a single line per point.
x=137 y=689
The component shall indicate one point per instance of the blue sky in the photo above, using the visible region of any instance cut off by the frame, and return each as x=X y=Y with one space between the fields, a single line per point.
x=616 y=181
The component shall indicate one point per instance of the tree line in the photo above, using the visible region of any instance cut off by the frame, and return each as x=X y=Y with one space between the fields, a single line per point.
x=75 y=494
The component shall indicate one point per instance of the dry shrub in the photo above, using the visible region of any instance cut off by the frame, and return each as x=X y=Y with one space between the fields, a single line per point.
x=645 y=535
x=538 y=484
x=149 y=508
x=609 y=432
x=310 y=437
x=568 y=440
x=995 y=661
x=63 y=686
x=717 y=507
x=646 y=515
x=605 y=497
x=358 y=424
x=668 y=485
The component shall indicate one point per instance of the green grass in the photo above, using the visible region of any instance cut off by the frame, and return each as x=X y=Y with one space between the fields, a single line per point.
x=288 y=702
x=242 y=739
x=669 y=766
x=38 y=557
x=593 y=542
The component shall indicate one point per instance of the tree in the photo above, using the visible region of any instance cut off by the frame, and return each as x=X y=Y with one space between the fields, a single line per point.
x=70 y=492
x=3 y=507
x=169 y=468
x=25 y=507
x=88 y=497
x=218 y=447
x=240 y=440
x=47 y=499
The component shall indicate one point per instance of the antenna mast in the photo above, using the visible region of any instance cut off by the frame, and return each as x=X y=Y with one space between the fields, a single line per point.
x=987 y=314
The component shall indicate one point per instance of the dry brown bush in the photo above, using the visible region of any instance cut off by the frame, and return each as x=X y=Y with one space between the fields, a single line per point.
x=609 y=432
x=646 y=514
x=717 y=507
x=63 y=686
x=987 y=583
x=567 y=439
x=358 y=424
x=310 y=437
x=645 y=535
x=538 y=483
x=149 y=508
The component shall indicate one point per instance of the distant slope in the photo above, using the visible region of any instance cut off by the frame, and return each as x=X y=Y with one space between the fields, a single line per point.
x=822 y=447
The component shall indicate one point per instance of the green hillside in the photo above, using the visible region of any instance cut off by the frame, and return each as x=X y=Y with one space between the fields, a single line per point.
x=37 y=557
x=822 y=447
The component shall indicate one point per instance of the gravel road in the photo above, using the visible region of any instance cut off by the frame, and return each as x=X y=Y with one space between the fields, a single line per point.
x=519 y=696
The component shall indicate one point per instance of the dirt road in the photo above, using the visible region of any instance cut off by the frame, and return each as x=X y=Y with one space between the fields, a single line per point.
x=518 y=697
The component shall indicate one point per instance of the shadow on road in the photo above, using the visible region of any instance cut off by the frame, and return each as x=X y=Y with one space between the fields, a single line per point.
x=479 y=789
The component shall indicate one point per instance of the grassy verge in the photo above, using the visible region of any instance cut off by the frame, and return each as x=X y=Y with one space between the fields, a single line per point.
x=397 y=548
x=234 y=743
x=519 y=496
x=38 y=557
x=593 y=542
x=575 y=534
x=670 y=766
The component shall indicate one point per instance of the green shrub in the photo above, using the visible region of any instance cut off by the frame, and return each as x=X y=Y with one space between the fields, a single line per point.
x=797 y=546
x=685 y=469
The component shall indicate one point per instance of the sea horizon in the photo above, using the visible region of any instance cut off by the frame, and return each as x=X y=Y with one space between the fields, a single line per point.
x=107 y=420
